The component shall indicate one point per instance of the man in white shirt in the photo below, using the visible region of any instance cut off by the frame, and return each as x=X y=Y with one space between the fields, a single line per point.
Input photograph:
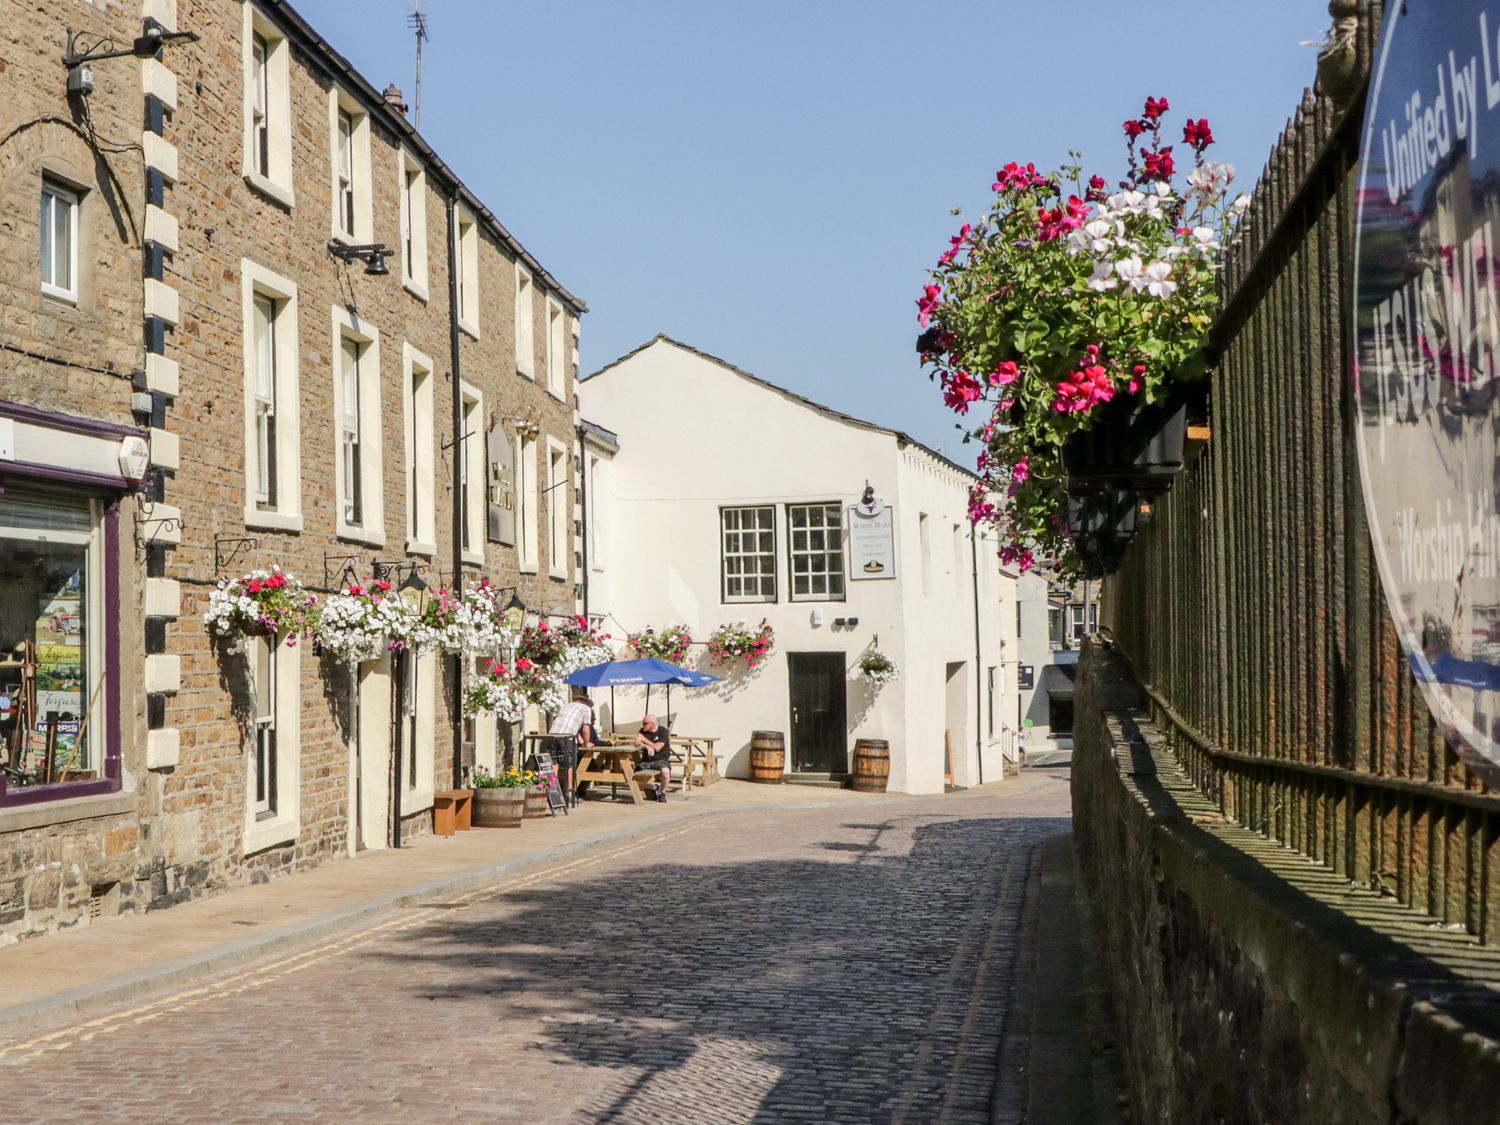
x=573 y=728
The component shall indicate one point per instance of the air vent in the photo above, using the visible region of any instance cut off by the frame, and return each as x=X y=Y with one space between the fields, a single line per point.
x=102 y=900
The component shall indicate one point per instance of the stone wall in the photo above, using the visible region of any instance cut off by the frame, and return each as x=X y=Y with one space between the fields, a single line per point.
x=1250 y=985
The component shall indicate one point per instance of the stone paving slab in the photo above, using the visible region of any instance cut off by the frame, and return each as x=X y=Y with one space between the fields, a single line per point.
x=812 y=962
x=114 y=960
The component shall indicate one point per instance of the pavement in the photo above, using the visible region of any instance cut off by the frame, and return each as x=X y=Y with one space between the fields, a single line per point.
x=756 y=953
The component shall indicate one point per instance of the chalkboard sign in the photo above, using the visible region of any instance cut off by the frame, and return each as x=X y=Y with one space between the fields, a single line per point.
x=546 y=769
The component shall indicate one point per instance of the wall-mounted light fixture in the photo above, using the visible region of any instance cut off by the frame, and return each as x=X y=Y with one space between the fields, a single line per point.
x=84 y=49
x=371 y=253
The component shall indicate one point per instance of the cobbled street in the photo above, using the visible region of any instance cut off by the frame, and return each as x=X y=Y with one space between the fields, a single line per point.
x=813 y=965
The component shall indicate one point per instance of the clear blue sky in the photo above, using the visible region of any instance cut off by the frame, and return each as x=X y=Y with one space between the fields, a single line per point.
x=770 y=181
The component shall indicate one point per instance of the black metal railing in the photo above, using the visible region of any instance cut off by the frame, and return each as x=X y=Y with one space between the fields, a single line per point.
x=1250 y=605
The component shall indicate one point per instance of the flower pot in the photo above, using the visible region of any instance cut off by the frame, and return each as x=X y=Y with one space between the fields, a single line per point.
x=499 y=808
x=1101 y=556
x=1130 y=445
x=1107 y=514
x=537 y=806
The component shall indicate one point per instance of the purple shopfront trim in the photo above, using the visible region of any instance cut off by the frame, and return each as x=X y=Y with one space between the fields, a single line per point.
x=69 y=422
x=110 y=782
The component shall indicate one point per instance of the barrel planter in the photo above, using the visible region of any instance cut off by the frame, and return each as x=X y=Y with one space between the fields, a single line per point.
x=499 y=808
x=872 y=765
x=536 y=804
x=767 y=756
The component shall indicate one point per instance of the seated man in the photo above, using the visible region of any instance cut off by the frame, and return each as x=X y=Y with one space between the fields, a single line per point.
x=653 y=739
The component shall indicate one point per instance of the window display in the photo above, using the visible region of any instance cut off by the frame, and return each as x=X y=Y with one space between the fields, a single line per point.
x=51 y=679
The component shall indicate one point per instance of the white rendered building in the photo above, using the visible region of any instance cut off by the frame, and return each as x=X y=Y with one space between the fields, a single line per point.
x=731 y=499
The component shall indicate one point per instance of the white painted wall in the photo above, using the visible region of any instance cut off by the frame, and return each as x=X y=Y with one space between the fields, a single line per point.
x=696 y=435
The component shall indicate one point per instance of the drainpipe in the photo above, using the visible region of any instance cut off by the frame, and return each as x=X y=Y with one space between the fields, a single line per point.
x=399 y=673
x=978 y=662
x=583 y=504
x=459 y=452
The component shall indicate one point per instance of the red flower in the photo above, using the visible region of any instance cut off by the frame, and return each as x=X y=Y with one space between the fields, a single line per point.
x=1197 y=133
x=276 y=581
x=957 y=240
x=1155 y=107
x=927 y=303
x=959 y=389
x=1134 y=128
x=254 y=585
x=1158 y=165
x=356 y=590
x=1005 y=372
x=382 y=585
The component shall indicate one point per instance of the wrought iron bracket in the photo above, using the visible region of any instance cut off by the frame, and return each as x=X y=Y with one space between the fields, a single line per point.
x=226 y=550
x=348 y=569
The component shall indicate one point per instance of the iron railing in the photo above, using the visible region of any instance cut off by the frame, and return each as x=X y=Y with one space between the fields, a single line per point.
x=1250 y=605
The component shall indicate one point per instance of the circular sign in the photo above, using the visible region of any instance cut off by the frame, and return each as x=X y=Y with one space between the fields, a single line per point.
x=1427 y=350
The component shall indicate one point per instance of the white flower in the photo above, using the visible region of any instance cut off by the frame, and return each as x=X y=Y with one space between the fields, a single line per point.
x=1127 y=202
x=1103 y=278
x=1205 y=240
x=1157 y=279
x=1099 y=235
x=1210 y=179
x=1129 y=271
x=1242 y=203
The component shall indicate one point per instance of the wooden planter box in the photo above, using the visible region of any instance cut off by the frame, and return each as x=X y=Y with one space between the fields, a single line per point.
x=499 y=808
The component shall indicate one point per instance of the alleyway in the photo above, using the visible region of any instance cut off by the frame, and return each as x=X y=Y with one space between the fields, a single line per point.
x=848 y=964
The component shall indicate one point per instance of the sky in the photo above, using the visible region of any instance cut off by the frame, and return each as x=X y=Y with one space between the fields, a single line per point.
x=771 y=182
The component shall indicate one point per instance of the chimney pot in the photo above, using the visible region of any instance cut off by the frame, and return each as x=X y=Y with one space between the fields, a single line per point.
x=393 y=98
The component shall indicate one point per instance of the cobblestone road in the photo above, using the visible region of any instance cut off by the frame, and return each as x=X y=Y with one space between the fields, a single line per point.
x=817 y=965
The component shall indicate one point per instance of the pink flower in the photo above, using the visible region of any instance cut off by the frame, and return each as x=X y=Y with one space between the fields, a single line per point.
x=959 y=389
x=1083 y=389
x=1022 y=470
x=1014 y=176
x=1004 y=374
x=957 y=240
x=927 y=304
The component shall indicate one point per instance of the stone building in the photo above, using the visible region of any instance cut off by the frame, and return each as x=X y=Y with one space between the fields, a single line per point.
x=271 y=327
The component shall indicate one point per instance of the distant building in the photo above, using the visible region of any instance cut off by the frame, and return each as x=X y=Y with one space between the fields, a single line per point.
x=730 y=499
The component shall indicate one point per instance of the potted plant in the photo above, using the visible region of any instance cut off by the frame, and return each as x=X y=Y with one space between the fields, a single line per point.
x=670 y=643
x=364 y=622
x=1075 y=316
x=878 y=668
x=500 y=797
x=496 y=691
x=731 y=642
x=264 y=603
x=470 y=623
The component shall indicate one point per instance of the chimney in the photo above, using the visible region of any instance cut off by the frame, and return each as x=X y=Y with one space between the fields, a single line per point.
x=393 y=98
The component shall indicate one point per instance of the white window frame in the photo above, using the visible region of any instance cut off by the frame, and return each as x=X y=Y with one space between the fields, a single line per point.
x=525 y=323
x=596 y=519
x=466 y=253
x=769 y=513
x=474 y=496
x=274 y=117
x=559 y=509
x=411 y=180
x=70 y=197
x=280 y=825
x=420 y=729
x=349 y=170
x=371 y=526
x=557 y=354
x=526 y=504
x=286 y=515
x=260 y=656
x=418 y=440
x=792 y=554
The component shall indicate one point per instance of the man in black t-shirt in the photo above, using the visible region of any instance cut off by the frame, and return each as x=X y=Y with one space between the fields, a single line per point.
x=653 y=739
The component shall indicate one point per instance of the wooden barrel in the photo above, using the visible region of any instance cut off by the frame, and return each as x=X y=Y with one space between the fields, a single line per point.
x=767 y=756
x=872 y=765
x=499 y=808
x=537 y=807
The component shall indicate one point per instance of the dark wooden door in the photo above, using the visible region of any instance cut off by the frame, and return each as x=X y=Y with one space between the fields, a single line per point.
x=817 y=718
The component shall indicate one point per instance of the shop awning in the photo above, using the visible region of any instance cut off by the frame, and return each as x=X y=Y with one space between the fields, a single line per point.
x=1058 y=681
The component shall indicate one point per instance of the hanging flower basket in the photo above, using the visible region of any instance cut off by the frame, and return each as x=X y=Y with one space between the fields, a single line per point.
x=1131 y=444
x=263 y=603
x=731 y=642
x=496 y=691
x=365 y=622
x=670 y=643
x=878 y=668
x=471 y=623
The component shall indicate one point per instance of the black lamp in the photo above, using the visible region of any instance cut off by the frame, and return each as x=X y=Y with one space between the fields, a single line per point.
x=371 y=253
x=515 y=611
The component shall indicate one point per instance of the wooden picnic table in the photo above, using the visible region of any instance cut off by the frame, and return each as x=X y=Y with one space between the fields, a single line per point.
x=611 y=765
x=698 y=758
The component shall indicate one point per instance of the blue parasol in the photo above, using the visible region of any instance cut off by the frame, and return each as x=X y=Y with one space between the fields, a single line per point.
x=648 y=671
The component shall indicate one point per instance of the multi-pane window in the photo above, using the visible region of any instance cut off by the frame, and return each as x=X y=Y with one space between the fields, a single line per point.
x=1078 y=615
x=526 y=494
x=556 y=348
x=471 y=474
x=59 y=240
x=263 y=721
x=419 y=452
x=260 y=106
x=344 y=188
x=467 y=253
x=413 y=225
x=350 y=432
x=525 y=334
x=749 y=554
x=265 y=315
x=816 y=534
x=559 y=503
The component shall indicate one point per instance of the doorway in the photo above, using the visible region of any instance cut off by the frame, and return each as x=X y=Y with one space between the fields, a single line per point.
x=371 y=815
x=818 y=717
x=956 y=734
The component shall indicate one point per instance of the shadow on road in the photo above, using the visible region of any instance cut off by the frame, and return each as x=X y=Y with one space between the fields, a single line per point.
x=855 y=972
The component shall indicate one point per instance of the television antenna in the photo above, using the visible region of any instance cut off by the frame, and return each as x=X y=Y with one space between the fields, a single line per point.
x=417 y=21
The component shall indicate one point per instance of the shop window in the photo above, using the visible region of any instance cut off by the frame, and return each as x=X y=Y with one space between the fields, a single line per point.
x=53 y=710
x=59 y=241
x=816 y=541
x=748 y=554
